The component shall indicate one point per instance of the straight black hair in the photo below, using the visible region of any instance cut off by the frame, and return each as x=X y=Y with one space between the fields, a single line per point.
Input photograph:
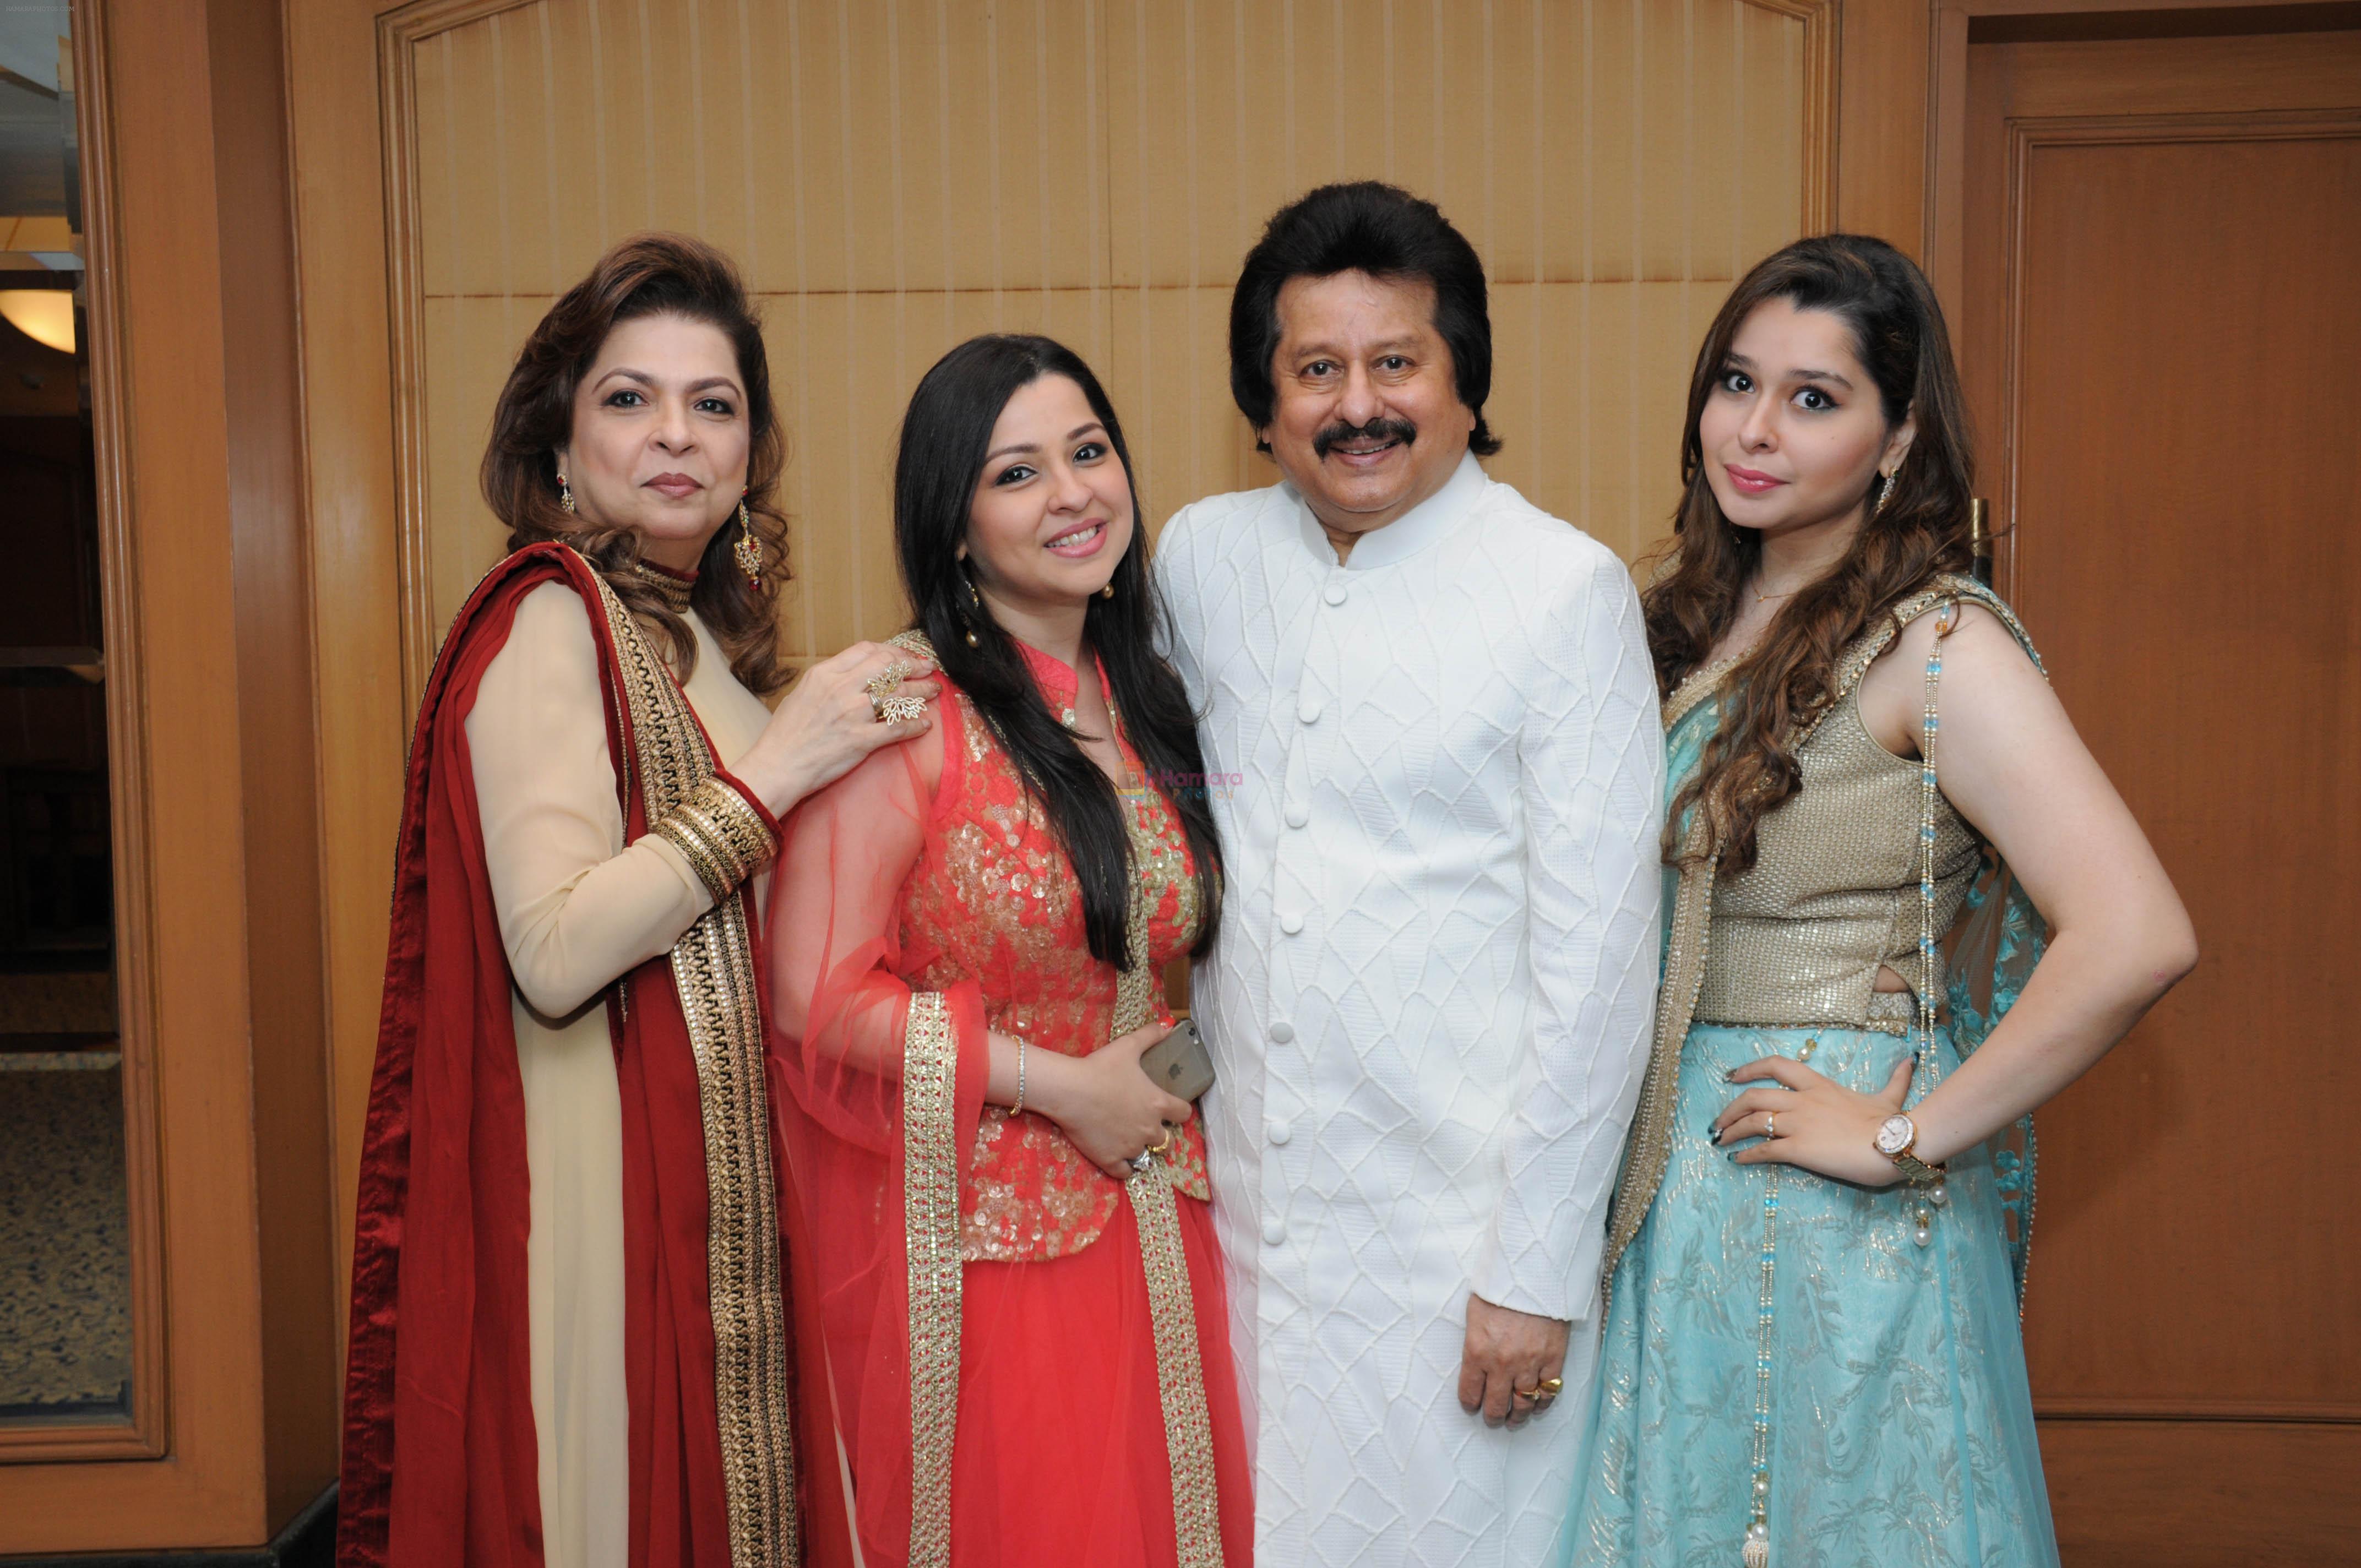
x=945 y=437
x=1382 y=230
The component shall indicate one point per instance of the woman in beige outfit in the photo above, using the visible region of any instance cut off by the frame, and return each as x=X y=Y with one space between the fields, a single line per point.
x=572 y=1335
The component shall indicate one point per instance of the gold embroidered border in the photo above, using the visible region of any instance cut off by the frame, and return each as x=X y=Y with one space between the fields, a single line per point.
x=1180 y=1367
x=931 y=1221
x=1650 y=1144
x=1171 y=1309
x=1865 y=649
x=1900 y=1027
x=713 y=973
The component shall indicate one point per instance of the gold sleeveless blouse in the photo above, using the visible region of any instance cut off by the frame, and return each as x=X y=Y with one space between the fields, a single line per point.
x=1833 y=895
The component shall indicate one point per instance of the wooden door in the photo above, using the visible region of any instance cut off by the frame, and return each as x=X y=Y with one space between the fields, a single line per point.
x=2160 y=321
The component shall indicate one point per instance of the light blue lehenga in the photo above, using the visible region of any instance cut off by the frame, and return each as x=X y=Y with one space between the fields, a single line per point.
x=1896 y=1423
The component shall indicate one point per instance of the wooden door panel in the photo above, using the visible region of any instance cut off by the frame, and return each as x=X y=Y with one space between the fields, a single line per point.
x=2186 y=547
x=2158 y=325
x=2142 y=1494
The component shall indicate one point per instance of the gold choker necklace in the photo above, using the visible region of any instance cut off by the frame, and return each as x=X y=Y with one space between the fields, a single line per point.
x=672 y=587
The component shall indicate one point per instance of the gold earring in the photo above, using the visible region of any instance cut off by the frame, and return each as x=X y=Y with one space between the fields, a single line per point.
x=1885 y=493
x=1107 y=592
x=564 y=495
x=975 y=602
x=748 y=550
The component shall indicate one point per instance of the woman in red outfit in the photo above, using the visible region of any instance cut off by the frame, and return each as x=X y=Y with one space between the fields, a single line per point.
x=1023 y=1333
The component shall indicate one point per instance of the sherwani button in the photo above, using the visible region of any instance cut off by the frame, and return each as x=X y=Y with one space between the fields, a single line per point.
x=1280 y=1131
x=1334 y=593
x=1274 y=1231
x=1310 y=712
x=1297 y=816
x=1281 y=1032
x=1292 y=923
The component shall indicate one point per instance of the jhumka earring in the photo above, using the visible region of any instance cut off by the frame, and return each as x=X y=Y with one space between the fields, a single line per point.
x=748 y=549
x=564 y=495
x=975 y=602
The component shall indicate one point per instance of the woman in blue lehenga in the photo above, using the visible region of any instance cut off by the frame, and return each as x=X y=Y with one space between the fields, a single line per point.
x=1811 y=1350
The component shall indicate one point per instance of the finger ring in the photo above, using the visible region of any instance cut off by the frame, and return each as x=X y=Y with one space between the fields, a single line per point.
x=1160 y=1144
x=883 y=683
x=1770 y=1124
x=1532 y=1394
x=1141 y=1161
x=896 y=709
x=1552 y=1387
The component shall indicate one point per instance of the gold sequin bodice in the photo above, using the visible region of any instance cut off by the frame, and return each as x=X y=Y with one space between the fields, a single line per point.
x=1833 y=895
x=995 y=900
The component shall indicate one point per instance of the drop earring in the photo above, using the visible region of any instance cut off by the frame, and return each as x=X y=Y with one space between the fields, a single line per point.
x=564 y=495
x=1107 y=592
x=748 y=550
x=975 y=602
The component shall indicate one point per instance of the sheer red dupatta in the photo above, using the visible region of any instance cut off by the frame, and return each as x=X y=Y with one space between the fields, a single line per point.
x=440 y=1462
x=877 y=1093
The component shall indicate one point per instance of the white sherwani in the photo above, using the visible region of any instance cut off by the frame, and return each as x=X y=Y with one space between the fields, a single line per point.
x=1438 y=775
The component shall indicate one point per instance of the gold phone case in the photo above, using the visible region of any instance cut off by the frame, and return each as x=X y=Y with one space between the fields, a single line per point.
x=1178 y=1063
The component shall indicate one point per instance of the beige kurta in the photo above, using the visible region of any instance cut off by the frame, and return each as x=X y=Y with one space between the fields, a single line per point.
x=577 y=909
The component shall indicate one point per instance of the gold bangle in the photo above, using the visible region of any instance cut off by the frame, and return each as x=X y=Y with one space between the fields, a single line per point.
x=720 y=836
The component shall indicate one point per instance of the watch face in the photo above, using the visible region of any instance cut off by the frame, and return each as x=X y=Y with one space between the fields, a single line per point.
x=1895 y=1135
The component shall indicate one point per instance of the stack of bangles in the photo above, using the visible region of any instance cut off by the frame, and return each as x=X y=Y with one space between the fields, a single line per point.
x=885 y=697
x=1540 y=1396
x=721 y=833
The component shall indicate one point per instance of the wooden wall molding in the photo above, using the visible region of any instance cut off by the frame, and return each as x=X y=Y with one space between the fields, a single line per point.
x=146 y=1435
x=1945 y=214
x=399 y=33
x=1820 y=105
x=213 y=755
x=2129 y=1408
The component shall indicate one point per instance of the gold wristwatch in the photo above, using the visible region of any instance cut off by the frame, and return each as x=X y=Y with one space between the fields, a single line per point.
x=1897 y=1137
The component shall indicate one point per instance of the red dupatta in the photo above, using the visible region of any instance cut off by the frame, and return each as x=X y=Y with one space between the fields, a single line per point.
x=440 y=1462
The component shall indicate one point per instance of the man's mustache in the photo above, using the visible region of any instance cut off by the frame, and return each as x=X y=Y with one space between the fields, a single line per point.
x=1378 y=429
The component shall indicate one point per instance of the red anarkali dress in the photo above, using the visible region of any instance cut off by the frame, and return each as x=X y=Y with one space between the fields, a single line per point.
x=1026 y=1360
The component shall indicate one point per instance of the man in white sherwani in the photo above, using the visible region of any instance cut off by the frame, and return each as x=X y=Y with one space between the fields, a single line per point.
x=1430 y=1002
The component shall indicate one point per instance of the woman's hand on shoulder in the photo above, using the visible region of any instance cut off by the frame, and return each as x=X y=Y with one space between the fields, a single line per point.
x=1105 y=1104
x=827 y=724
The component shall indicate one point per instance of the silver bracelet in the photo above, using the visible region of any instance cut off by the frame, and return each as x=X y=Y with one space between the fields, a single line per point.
x=1018 y=1108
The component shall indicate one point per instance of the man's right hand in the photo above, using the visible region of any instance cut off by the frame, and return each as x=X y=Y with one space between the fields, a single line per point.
x=1507 y=1350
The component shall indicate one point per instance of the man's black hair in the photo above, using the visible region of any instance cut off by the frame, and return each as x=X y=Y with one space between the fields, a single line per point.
x=1364 y=227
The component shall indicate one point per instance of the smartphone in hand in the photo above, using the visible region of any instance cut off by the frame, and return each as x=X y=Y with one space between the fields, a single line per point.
x=1178 y=1063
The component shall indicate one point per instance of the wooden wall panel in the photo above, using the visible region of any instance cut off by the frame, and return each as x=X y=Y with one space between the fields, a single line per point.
x=210 y=744
x=894 y=177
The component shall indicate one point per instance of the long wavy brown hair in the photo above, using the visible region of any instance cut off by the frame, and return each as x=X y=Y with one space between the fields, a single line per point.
x=647 y=275
x=1922 y=528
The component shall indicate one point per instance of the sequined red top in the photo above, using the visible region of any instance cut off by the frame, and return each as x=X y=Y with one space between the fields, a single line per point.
x=993 y=899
